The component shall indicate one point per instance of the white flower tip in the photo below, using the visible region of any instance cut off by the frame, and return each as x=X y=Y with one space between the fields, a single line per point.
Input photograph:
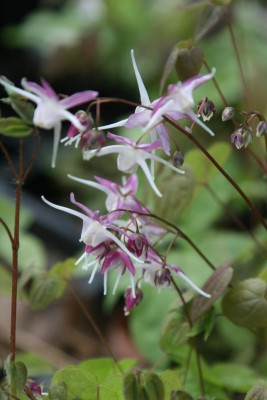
x=207 y=295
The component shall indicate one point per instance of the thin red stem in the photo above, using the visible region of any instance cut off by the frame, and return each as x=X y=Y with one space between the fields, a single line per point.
x=15 y=250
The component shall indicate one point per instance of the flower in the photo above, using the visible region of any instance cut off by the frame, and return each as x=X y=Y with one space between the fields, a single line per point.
x=51 y=110
x=142 y=114
x=109 y=257
x=179 y=100
x=118 y=196
x=132 y=155
x=158 y=274
x=95 y=228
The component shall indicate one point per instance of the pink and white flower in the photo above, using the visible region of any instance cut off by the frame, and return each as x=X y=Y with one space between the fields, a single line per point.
x=118 y=196
x=132 y=155
x=51 y=110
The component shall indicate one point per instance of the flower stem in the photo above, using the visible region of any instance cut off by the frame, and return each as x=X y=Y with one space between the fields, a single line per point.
x=235 y=219
x=243 y=80
x=15 y=251
x=223 y=172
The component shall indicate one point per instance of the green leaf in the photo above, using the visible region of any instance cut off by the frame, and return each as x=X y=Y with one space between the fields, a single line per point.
x=178 y=191
x=181 y=395
x=44 y=290
x=105 y=367
x=246 y=303
x=80 y=383
x=171 y=381
x=35 y=364
x=205 y=323
x=153 y=386
x=63 y=270
x=234 y=377
x=14 y=127
x=16 y=373
x=50 y=286
x=215 y=286
x=111 y=388
x=58 y=391
x=131 y=386
x=174 y=333
x=257 y=392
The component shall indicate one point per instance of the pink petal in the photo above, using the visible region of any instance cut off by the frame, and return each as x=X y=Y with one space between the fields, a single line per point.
x=140 y=118
x=78 y=98
x=131 y=185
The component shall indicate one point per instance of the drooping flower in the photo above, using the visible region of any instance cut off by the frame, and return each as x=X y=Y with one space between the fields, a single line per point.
x=51 y=110
x=89 y=138
x=118 y=196
x=109 y=257
x=142 y=114
x=179 y=100
x=132 y=155
x=96 y=229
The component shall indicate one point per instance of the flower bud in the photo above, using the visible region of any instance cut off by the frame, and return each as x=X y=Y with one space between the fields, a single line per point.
x=137 y=244
x=261 y=128
x=237 y=139
x=162 y=278
x=85 y=119
x=247 y=138
x=178 y=158
x=189 y=60
x=92 y=139
x=228 y=113
x=130 y=301
x=207 y=109
x=34 y=387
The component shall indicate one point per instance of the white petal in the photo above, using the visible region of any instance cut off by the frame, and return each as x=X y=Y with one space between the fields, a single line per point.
x=115 y=125
x=142 y=90
x=149 y=177
x=197 y=289
x=123 y=247
x=23 y=93
x=65 y=209
x=57 y=133
x=93 y=184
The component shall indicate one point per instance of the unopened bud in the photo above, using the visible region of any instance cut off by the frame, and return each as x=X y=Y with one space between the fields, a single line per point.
x=247 y=138
x=92 y=139
x=261 y=128
x=228 y=113
x=178 y=158
x=84 y=119
x=237 y=139
x=130 y=301
x=206 y=109
x=163 y=278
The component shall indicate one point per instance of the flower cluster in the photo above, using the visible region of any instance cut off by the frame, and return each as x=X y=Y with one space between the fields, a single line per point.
x=123 y=239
